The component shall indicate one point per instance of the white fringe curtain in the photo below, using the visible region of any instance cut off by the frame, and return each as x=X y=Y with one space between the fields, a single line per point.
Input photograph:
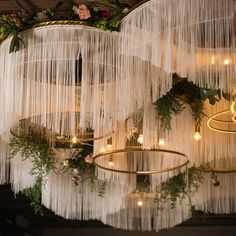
x=215 y=146
x=43 y=78
x=20 y=177
x=194 y=38
x=80 y=202
x=4 y=162
x=217 y=200
x=121 y=75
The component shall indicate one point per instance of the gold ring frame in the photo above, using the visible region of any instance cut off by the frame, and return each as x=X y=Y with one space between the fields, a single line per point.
x=79 y=138
x=213 y=118
x=60 y=22
x=217 y=170
x=144 y=172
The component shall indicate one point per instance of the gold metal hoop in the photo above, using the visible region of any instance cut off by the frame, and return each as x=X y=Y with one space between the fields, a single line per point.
x=60 y=22
x=214 y=119
x=217 y=170
x=78 y=138
x=144 y=172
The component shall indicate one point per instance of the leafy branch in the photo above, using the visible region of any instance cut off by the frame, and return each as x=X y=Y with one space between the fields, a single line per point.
x=34 y=146
x=184 y=92
x=179 y=187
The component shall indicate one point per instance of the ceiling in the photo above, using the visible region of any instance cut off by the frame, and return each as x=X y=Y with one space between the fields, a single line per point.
x=9 y=6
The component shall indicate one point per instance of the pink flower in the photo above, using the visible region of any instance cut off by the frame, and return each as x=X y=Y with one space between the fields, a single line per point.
x=82 y=11
x=13 y=15
x=105 y=12
x=88 y=159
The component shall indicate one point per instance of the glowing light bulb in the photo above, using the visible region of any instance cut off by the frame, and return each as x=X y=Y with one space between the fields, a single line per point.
x=161 y=142
x=102 y=149
x=109 y=146
x=74 y=140
x=140 y=203
x=226 y=61
x=140 y=139
x=197 y=136
x=213 y=59
x=111 y=163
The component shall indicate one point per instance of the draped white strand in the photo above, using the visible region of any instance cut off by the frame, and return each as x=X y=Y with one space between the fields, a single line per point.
x=20 y=176
x=179 y=138
x=194 y=38
x=80 y=202
x=148 y=217
x=4 y=162
x=217 y=200
x=214 y=145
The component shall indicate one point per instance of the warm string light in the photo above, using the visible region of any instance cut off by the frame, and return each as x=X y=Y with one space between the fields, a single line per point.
x=140 y=139
x=197 y=134
x=102 y=149
x=226 y=61
x=140 y=203
x=74 y=140
x=214 y=60
x=161 y=142
x=108 y=146
x=111 y=162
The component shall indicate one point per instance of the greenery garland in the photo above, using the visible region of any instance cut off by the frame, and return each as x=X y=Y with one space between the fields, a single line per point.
x=83 y=168
x=184 y=92
x=179 y=187
x=33 y=145
x=105 y=15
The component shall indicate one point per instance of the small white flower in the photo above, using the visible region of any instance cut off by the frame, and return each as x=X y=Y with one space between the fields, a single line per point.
x=88 y=159
x=65 y=163
x=76 y=171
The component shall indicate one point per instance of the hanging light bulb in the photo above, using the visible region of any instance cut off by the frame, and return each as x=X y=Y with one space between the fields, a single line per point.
x=140 y=203
x=109 y=144
x=161 y=142
x=213 y=60
x=102 y=149
x=74 y=139
x=197 y=134
x=111 y=162
x=140 y=139
x=226 y=61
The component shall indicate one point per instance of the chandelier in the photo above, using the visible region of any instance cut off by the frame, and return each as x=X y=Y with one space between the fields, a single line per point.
x=122 y=117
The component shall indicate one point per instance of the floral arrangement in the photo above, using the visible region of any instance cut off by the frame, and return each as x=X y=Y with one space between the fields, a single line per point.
x=184 y=92
x=105 y=15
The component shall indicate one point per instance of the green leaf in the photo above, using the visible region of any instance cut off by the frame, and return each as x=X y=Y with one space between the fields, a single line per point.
x=16 y=43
